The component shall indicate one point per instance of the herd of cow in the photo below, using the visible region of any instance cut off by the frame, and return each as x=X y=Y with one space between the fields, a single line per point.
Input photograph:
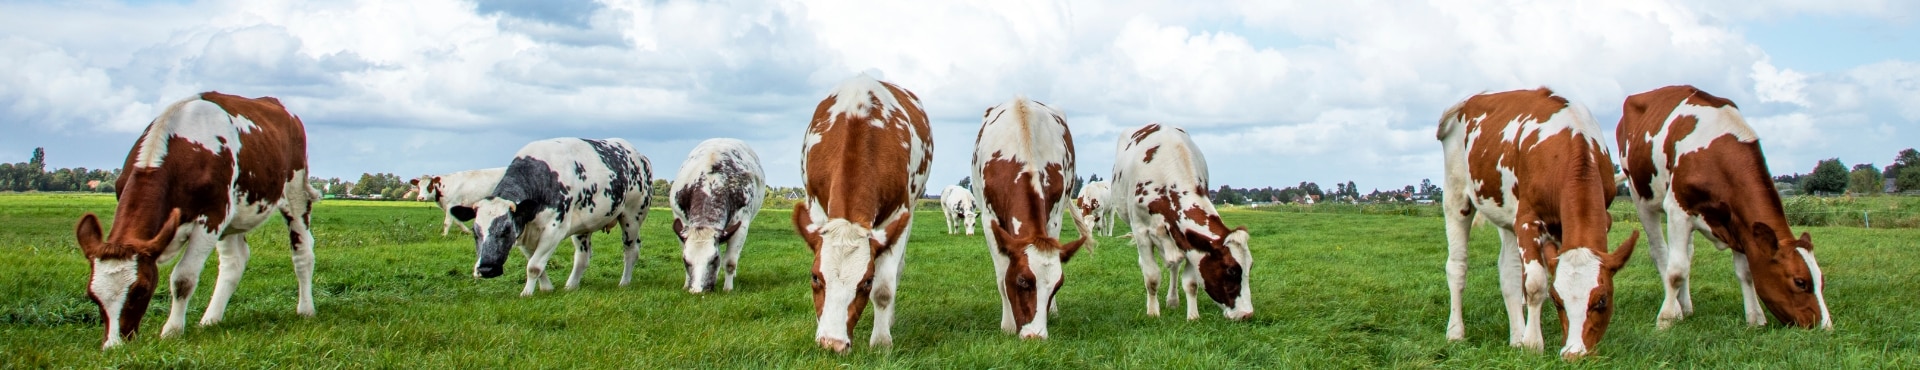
x=213 y=167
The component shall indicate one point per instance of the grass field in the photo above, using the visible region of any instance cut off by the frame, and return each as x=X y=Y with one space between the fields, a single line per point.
x=1331 y=290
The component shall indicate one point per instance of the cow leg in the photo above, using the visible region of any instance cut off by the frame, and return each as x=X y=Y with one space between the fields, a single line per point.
x=1175 y=259
x=886 y=280
x=1512 y=287
x=582 y=253
x=1000 y=266
x=186 y=275
x=948 y=216
x=298 y=215
x=1679 y=265
x=1533 y=277
x=630 y=246
x=1190 y=282
x=734 y=244
x=446 y=223
x=1459 y=227
x=1756 y=316
x=233 y=264
x=1149 y=270
x=1650 y=217
x=537 y=261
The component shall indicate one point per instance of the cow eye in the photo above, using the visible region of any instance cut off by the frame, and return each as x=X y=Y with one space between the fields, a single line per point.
x=1233 y=273
x=866 y=285
x=1599 y=305
x=1023 y=283
x=817 y=281
x=1803 y=285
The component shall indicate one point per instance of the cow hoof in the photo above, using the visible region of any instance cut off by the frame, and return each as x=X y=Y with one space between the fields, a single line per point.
x=1572 y=356
x=1039 y=336
x=839 y=346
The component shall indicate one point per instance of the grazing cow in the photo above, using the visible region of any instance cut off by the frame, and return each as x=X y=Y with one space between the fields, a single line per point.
x=1091 y=208
x=1532 y=163
x=210 y=169
x=456 y=189
x=1166 y=203
x=864 y=160
x=555 y=189
x=1692 y=158
x=714 y=199
x=1022 y=163
x=957 y=204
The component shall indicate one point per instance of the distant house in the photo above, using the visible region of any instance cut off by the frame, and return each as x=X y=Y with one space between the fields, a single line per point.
x=95 y=185
x=1888 y=183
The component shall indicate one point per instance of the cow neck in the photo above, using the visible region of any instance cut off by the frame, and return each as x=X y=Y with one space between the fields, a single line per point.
x=143 y=208
x=1753 y=196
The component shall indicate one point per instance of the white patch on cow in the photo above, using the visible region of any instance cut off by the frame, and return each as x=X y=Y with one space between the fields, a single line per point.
x=1819 y=287
x=194 y=120
x=1712 y=124
x=699 y=251
x=854 y=96
x=845 y=256
x=1578 y=274
x=112 y=279
x=1047 y=272
x=1237 y=243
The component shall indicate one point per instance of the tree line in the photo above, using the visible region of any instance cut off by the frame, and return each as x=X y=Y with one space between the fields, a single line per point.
x=33 y=175
x=1830 y=176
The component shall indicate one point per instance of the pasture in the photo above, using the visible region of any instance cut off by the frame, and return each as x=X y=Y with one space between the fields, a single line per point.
x=1330 y=289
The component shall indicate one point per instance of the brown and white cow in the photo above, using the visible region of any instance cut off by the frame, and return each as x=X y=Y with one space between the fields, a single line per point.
x=714 y=198
x=456 y=189
x=211 y=168
x=864 y=160
x=956 y=203
x=1693 y=159
x=1092 y=209
x=1532 y=164
x=1162 y=180
x=1023 y=163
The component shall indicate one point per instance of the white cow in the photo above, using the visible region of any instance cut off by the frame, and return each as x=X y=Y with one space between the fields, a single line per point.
x=1093 y=209
x=714 y=198
x=1163 y=179
x=957 y=204
x=556 y=189
x=456 y=189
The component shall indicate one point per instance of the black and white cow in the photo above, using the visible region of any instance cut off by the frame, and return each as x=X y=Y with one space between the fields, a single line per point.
x=714 y=198
x=560 y=188
x=456 y=189
x=957 y=204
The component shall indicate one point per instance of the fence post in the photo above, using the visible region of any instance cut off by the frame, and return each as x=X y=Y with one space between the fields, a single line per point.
x=1867 y=217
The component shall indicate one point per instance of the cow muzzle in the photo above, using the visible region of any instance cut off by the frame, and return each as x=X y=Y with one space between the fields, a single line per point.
x=487 y=272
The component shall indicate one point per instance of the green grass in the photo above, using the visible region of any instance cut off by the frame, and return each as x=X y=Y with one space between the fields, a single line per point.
x=1331 y=290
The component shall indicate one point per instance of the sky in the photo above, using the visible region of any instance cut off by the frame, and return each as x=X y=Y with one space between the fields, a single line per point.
x=1275 y=92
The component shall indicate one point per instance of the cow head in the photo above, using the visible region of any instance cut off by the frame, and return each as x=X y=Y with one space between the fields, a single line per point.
x=843 y=261
x=1787 y=278
x=496 y=231
x=122 y=281
x=964 y=208
x=425 y=188
x=1223 y=265
x=700 y=252
x=1035 y=271
x=1583 y=291
x=1088 y=210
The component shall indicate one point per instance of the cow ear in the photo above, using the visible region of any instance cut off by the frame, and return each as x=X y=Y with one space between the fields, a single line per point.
x=1764 y=237
x=732 y=227
x=414 y=182
x=1806 y=241
x=1618 y=258
x=801 y=221
x=1004 y=238
x=524 y=209
x=462 y=213
x=87 y=232
x=1550 y=254
x=164 y=237
x=679 y=230
x=1067 y=251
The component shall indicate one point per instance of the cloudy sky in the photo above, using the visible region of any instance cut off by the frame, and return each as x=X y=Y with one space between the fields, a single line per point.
x=1275 y=91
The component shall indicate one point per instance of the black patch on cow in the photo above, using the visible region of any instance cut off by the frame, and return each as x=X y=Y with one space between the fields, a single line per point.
x=531 y=182
x=715 y=207
x=625 y=169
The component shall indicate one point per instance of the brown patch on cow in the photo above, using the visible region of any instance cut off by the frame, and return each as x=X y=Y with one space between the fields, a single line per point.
x=1150 y=152
x=1495 y=112
x=1145 y=131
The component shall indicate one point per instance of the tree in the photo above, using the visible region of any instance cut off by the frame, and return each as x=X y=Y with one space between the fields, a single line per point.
x=1093 y=177
x=1903 y=179
x=1830 y=176
x=1074 y=192
x=966 y=183
x=1865 y=180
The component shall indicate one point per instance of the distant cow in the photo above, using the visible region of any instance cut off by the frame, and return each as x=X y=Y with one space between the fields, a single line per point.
x=864 y=160
x=957 y=204
x=1023 y=163
x=1532 y=163
x=210 y=169
x=555 y=189
x=1692 y=159
x=1162 y=179
x=1092 y=207
x=714 y=199
x=456 y=189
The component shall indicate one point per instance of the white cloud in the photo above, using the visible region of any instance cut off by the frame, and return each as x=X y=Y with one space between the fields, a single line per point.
x=1778 y=85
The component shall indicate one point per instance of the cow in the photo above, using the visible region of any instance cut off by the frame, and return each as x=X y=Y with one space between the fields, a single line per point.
x=555 y=189
x=716 y=194
x=1023 y=163
x=1691 y=159
x=1092 y=208
x=1162 y=179
x=864 y=161
x=956 y=203
x=456 y=189
x=1532 y=164
x=208 y=170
